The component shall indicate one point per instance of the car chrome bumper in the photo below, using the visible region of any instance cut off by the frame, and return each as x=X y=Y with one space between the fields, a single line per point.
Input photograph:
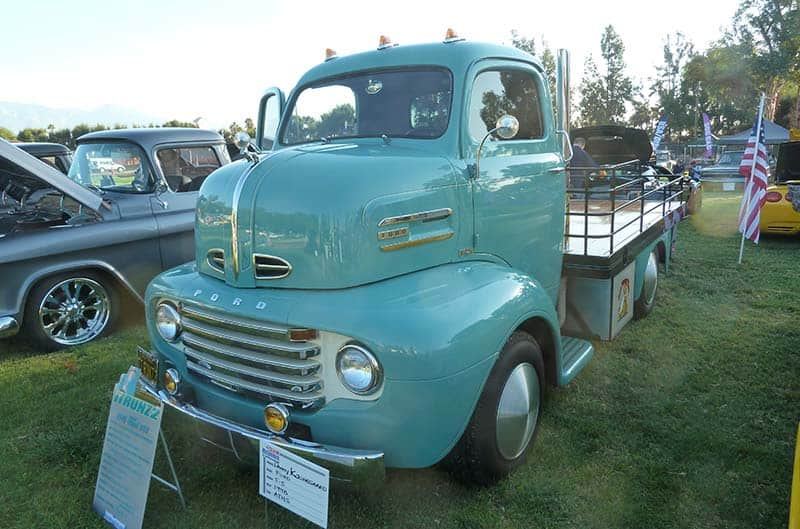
x=8 y=326
x=358 y=467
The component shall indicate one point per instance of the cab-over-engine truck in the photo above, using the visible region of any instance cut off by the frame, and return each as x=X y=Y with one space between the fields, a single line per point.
x=394 y=279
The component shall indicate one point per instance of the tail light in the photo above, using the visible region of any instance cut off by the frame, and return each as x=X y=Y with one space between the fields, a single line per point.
x=773 y=196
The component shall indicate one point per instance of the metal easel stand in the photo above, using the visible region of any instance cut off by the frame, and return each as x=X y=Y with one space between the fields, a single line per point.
x=176 y=486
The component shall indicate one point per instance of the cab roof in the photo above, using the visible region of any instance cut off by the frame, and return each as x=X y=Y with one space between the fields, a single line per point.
x=456 y=56
x=150 y=137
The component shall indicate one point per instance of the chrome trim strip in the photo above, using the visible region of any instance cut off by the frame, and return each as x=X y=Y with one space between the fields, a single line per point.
x=416 y=242
x=202 y=344
x=269 y=376
x=259 y=343
x=235 y=324
x=286 y=265
x=216 y=263
x=423 y=216
x=8 y=327
x=237 y=195
x=360 y=467
x=305 y=399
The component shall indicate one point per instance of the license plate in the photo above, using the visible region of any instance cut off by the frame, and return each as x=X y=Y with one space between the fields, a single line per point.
x=148 y=364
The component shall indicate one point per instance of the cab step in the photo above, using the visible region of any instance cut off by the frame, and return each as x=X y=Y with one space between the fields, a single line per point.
x=575 y=354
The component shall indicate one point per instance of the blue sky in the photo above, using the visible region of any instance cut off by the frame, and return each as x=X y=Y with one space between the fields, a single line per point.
x=183 y=59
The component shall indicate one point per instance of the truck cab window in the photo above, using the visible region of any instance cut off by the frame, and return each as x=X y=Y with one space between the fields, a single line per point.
x=395 y=103
x=499 y=92
x=185 y=168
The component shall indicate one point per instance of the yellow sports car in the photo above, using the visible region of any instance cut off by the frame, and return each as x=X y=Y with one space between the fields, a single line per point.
x=781 y=211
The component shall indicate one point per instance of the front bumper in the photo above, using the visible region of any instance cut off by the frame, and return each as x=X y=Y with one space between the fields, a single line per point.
x=8 y=326
x=358 y=467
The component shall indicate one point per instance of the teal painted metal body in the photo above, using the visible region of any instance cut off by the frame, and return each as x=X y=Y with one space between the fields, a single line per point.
x=435 y=315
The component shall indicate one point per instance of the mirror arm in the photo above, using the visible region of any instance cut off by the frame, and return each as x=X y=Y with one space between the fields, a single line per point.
x=477 y=172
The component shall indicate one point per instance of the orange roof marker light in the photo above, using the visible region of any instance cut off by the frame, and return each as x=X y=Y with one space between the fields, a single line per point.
x=330 y=55
x=385 y=42
x=451 y=36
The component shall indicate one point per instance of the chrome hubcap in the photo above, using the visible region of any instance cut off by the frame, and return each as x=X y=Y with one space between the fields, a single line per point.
x=518 y=411
x=74 y=311
x=650 y=284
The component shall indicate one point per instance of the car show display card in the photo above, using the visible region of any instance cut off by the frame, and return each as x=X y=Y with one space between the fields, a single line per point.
x=123 y=480
x=294 y=483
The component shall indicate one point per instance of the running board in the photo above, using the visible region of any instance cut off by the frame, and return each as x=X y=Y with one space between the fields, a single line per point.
x=575 y=354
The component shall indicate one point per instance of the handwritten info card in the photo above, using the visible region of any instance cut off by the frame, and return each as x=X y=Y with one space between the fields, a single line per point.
x=127 y=460
x=294 y=483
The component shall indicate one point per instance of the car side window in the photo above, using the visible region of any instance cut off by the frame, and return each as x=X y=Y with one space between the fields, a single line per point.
x=505 y=91
x=185 y=168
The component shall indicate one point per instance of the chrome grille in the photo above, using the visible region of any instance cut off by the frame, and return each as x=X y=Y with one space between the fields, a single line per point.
x=216 y=259
x=252 y=358
x=270 y=267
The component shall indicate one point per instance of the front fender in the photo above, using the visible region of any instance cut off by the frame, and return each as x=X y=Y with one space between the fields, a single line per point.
x=436 y=332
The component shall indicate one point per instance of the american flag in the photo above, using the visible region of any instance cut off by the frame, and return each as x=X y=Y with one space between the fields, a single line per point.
x=755 y=187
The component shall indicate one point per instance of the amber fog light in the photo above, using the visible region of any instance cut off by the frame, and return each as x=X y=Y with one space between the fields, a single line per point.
x=276 y=417
x=172 y=381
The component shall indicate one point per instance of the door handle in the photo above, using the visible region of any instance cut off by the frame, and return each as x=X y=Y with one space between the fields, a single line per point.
x=556 y=169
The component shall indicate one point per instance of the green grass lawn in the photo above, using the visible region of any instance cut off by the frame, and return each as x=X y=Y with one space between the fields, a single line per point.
x=688 y=419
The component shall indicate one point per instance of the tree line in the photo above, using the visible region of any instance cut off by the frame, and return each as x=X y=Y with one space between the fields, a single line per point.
x=758 y=53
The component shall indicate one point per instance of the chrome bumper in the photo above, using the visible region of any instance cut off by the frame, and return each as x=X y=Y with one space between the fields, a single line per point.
x=358 y=467
x=8 y=326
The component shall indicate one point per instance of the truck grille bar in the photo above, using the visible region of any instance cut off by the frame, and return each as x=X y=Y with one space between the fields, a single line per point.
x=253 y=358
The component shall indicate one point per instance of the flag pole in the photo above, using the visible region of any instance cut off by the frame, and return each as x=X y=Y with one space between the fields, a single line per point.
x=746 y=203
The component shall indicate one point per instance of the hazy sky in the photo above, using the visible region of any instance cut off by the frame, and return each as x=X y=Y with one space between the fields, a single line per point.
x=188 y=58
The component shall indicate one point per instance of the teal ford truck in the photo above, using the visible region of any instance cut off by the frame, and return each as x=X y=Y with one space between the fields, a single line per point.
x=398 y=274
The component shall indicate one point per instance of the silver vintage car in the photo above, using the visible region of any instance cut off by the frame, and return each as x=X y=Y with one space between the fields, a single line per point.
x=73 y=247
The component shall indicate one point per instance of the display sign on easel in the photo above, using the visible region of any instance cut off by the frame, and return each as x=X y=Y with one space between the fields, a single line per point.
x=294 y=483
x=129 y=449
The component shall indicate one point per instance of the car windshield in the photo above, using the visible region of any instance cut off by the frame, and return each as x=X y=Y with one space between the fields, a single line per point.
x=730 y=158
x=111 y=166
x=407 y=103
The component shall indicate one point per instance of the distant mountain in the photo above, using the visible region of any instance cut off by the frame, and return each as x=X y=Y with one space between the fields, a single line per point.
x=18 y=116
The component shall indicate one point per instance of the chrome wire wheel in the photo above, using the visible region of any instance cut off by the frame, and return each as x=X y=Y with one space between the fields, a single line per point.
x=650 y=283
x=74 y=311
x=518 y=411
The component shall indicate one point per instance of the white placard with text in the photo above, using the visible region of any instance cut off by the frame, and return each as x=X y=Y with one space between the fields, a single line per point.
x=294 y=483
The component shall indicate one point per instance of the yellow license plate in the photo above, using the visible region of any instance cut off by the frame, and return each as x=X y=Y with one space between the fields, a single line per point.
x=148 y=364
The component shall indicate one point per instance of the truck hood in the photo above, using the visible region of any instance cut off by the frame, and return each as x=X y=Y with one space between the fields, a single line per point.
x=19 y=167
x=613 y=144
x=329 y=216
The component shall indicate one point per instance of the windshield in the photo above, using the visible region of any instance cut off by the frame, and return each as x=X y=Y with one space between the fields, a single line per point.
x=118 y=166
x=407 y=103
x=730 y=158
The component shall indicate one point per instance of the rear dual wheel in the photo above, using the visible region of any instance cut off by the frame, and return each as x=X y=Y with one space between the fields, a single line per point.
x=506 y=418
x=647 y=298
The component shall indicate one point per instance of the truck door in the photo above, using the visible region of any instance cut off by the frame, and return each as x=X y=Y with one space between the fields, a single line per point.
x=184 y=168
x=518 y=196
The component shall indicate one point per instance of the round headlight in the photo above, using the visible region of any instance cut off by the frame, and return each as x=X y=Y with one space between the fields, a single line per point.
x=168 y=321
x=358 y=369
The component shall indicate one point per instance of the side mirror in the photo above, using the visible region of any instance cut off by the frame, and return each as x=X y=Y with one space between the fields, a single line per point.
x=507 y=127
x=241 y=141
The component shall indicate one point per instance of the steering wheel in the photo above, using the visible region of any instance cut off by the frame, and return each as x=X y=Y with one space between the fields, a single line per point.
x=138 y=183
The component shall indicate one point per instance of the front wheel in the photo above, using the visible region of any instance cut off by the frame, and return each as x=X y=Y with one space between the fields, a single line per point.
x=70 y=309
x=506 y=418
